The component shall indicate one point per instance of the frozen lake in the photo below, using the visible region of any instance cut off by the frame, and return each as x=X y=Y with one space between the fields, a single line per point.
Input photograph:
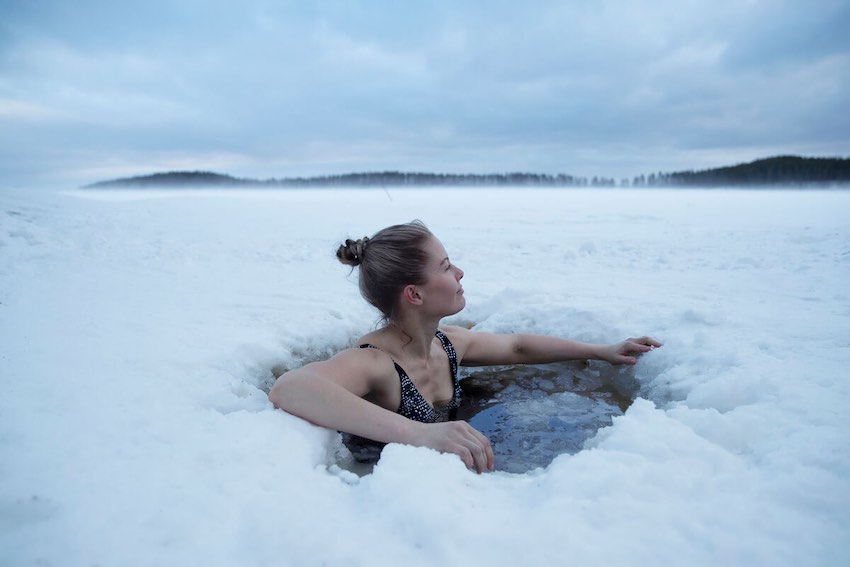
x=138 y=331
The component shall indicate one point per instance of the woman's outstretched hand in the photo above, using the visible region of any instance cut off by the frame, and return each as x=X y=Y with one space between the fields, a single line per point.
x=456 y=437
x=626 y=352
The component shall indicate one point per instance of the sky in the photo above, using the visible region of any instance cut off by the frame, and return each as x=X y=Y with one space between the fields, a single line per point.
x=97 y=89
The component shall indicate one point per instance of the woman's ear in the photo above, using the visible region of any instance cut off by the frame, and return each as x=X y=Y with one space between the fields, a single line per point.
x=411 y=295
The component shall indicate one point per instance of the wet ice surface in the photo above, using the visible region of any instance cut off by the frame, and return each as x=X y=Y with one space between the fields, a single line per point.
x=532 y=414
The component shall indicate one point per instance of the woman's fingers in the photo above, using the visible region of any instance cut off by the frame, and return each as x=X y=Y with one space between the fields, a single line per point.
x=621 y=352
x=647 y=341
x=487 y=449
x=641 y=345
x=457 y=437
x=472 y=447
x=479 y=456
x=634 y=346
x=467 y=458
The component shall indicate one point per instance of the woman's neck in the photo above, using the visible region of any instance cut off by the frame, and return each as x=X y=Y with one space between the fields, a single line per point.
x=415 y=335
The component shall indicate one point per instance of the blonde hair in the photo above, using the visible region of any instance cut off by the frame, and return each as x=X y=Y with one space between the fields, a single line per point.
x=390 y=260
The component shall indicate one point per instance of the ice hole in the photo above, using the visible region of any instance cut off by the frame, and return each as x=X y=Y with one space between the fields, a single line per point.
x=530 y=413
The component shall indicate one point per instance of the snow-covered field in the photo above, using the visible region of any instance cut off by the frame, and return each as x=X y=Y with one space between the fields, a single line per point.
x=138 y=330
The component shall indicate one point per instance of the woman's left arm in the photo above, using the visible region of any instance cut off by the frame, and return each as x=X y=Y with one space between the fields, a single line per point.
x=482 y=349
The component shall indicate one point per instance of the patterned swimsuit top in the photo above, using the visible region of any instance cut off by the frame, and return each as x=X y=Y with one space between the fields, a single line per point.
x=413 y=405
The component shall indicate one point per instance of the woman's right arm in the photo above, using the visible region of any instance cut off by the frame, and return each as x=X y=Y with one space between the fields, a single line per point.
x=330 y=394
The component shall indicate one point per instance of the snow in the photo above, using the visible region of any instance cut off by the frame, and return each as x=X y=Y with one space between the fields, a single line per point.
x=138 y=331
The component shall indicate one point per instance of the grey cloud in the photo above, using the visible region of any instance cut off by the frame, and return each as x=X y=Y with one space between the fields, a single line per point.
x=302 y=87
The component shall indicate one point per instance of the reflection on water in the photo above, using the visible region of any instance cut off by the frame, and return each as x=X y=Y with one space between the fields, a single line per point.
x=532 y=414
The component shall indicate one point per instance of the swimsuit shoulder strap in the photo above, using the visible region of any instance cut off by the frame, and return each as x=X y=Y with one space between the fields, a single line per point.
x=401 y=373
x=450 y=352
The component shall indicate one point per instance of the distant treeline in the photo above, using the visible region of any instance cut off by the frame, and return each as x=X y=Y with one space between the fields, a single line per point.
x=782 y=170
x=367 y=179
x=398 y=178
x=174 y=179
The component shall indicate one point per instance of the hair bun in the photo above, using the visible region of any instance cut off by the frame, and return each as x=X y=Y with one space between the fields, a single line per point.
x=351 y=253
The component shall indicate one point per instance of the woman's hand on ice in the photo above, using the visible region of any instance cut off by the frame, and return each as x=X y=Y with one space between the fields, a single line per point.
x=626 y=352
x=457 y=437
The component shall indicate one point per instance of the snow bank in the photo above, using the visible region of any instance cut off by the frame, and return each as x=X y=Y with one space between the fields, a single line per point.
x=138 y=329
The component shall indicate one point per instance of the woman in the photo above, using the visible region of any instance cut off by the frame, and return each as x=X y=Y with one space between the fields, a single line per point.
x=400 y=385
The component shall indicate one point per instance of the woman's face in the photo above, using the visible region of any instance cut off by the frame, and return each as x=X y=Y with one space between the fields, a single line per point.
x=442 y=292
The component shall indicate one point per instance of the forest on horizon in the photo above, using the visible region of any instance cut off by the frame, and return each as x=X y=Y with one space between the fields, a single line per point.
x=773 y=171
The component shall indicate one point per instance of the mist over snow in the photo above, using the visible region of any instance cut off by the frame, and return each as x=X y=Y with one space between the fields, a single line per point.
x=138 y=331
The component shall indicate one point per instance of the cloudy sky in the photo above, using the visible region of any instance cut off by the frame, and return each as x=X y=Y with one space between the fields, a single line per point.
x=95 y=89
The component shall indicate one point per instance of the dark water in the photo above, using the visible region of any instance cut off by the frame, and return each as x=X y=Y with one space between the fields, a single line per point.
x=532 y=414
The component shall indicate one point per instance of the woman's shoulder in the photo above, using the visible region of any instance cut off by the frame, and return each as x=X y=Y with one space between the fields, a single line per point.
x=364 y=355
x=370 y=367
x=451 y=330
x=372 y=338
x=458 y=336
